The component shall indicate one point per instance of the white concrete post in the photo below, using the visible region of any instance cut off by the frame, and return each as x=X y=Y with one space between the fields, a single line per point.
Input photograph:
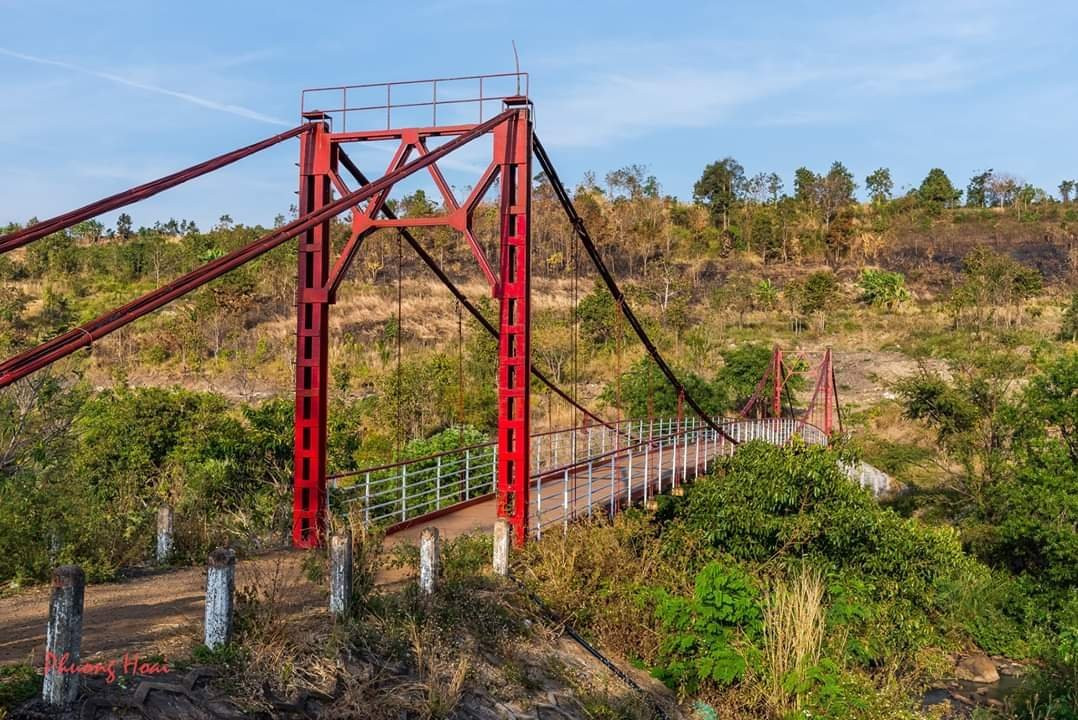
x=503 y=540
x=220 y=597
x=164 y=534
x=430 y=560
x=340 y=573
x=63 y=638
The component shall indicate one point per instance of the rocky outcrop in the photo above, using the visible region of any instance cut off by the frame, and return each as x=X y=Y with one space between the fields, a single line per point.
x=880 y=483
x=977 y=668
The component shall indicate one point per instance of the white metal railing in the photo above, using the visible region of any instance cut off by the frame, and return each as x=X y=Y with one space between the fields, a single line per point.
x=576 y=472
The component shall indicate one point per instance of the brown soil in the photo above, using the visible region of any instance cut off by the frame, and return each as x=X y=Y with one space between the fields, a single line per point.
x=161 y=613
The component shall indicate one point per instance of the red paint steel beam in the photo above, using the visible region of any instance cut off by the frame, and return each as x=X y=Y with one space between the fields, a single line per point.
x=49 y=352
x=589 y=246
x=135 y=194
x=431 y=263
x=514 y=141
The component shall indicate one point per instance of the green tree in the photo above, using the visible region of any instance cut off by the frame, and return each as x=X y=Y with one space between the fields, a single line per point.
x=879 y=185
x=805 y=185
x=835 y=191
x=719 y=188
x=774 y=187
x=123 y=226
x=977 y=190
x=1068 y=329
x=765 y=295
x=1065 y=189
x=819 y=292
x=937 y=192
x=597 y=313
x=645 y=391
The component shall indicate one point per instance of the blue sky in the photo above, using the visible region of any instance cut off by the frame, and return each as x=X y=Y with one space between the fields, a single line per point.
x=99 y=96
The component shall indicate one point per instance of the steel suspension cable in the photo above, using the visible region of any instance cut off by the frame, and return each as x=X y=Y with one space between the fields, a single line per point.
x=432 y=264
x=48 y=352
x=589 y=246
x=141 y=192
x=400 y=334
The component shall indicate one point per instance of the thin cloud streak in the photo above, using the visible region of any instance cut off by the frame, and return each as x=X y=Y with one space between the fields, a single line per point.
x=237 y=110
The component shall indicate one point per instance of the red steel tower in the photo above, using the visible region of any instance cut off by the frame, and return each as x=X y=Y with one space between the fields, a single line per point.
x=322 y=156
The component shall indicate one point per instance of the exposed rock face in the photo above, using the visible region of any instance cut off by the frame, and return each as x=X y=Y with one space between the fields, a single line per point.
x=977 y=668
x=879 y=482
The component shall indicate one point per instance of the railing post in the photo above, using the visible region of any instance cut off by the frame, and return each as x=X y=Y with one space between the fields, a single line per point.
x=404 y=493
x=673 y=456
x=340 y=573
x=659 y=474
x=696 y=462
x=565 y=502
x=438 y=483
x=613 y=492
x=590 y=465
x=430 y=560
x=707 y=438
x=629 y=498
x=647 y=476
x=503 y=540
x=467 y=474
x=685 y=457
x=63 y=637
x=220 y=597
x=164 y=534
x=539 y=453
x=367 y=499
x=538 y=507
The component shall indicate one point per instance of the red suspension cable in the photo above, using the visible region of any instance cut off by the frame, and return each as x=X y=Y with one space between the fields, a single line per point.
x=133 y=195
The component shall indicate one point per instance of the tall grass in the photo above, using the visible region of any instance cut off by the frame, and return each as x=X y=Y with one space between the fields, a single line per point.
x=794 y=621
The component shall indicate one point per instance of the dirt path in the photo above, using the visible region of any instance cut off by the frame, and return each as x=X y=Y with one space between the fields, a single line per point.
x=161 y=613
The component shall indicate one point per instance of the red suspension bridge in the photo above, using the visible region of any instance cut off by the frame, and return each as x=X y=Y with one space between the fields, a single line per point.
x=534 y=480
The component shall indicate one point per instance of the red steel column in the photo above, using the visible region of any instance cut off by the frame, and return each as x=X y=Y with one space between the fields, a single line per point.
x=776 y=378
x=828 y=393
x=312 y=329
x=512 y=144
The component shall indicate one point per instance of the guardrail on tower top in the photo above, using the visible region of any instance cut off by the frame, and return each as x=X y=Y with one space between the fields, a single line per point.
x=414 y=103
x=576 y=472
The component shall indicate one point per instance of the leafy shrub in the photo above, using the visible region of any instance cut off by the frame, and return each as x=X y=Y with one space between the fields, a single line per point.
x=767 y=503
x=1068 y=328
x=882 y=288
x=819 y=292
x=709 y=635
x=17 y=683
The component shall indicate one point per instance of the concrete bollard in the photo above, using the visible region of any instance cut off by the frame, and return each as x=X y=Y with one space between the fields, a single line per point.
x=503 y=541
x=63 y=639
x=220 y=597
x=430 y=560
x=340 y=573
x=164 y=534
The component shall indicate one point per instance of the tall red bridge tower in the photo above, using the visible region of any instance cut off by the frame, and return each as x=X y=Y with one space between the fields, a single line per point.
x=445 y=108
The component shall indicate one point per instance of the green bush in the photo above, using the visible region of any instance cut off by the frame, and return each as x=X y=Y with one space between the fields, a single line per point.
x=770 y=504
x=709 y=636
x=882 y=288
